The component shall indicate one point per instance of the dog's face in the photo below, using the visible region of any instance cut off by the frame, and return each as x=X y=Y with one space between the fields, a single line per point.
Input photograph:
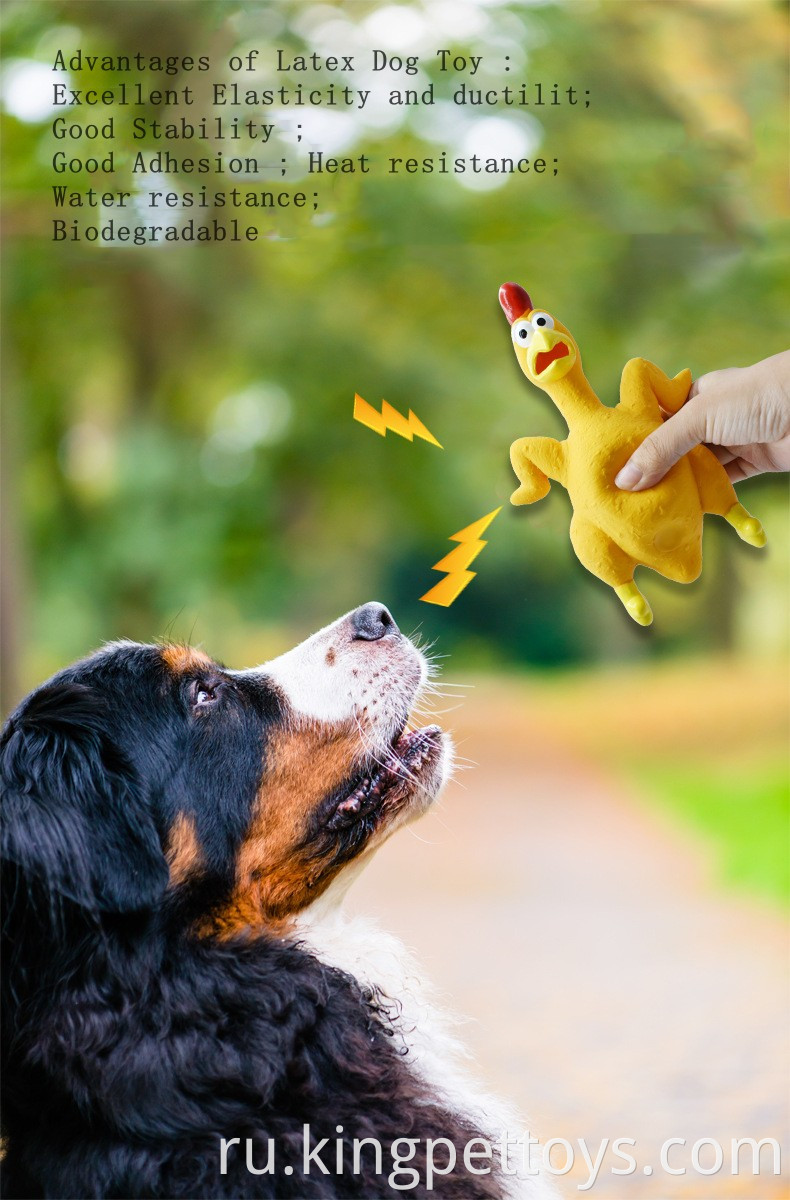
x=148 y=772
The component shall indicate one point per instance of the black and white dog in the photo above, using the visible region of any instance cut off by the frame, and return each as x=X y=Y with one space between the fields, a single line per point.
x=187 y=1010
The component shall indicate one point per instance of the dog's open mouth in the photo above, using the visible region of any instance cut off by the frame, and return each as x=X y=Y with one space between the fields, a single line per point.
x=408 y=765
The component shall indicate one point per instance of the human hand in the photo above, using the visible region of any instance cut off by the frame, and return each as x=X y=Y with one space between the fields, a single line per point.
x=742 y=413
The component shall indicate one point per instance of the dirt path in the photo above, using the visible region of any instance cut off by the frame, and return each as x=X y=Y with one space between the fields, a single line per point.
x=615 y=991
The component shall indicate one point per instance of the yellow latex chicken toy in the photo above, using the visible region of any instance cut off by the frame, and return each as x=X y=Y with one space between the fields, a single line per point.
x=614 y=531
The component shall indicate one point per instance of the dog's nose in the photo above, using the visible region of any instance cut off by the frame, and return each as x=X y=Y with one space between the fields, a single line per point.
x=371 y=622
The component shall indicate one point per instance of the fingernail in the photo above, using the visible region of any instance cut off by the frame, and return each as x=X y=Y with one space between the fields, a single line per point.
x=629 y=477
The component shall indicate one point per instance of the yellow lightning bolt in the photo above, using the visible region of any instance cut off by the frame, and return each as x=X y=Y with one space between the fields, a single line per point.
x=456 y=563
x=390 y=418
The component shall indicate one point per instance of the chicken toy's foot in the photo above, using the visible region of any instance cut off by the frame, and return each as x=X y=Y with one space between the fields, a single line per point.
x=747 y=527
x=635 y=603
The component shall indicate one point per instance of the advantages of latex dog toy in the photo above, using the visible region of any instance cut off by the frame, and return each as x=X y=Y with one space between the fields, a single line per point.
x=614 y=531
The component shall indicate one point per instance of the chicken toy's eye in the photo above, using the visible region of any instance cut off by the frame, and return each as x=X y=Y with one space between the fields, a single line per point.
x=542 y=320
x=521 y=333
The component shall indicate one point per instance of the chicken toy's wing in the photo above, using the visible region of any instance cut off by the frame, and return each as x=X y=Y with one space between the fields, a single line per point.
x=645 y=389
x=536 y=460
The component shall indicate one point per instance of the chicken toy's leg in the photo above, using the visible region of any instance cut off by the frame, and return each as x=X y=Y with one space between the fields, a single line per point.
x=635 y=604
x=718 y=496
x=599 y=554
x=747 y=527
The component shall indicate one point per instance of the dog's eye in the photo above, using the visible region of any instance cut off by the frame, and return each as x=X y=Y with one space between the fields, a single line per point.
x=202 y=694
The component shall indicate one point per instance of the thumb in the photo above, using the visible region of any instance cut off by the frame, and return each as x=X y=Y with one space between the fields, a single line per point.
x=662 y=449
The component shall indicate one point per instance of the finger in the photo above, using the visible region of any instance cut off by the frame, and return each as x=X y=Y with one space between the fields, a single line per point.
x=662 y=449
x=740 y=469
x=723 y=454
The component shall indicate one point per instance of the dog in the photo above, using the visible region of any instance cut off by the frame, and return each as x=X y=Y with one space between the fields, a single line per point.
x=188 y=1012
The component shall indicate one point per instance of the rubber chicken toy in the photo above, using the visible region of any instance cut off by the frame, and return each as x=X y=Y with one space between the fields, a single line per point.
x=614 y=531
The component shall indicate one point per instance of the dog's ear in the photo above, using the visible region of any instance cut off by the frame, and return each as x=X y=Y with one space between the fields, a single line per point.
x=74 y=821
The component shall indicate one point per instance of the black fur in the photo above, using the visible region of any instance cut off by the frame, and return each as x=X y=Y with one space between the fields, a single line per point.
x=132 y=1047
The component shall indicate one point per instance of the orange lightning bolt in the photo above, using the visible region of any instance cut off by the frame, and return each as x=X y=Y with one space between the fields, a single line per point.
x=390 y=418
x=456 y=563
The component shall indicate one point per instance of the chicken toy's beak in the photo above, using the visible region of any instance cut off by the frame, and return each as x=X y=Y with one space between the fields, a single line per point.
x=549 y=357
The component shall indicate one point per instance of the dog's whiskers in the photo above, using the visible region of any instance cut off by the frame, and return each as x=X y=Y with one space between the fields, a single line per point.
x=401 y=771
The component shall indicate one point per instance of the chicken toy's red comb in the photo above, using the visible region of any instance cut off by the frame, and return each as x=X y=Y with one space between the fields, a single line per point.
x=514 y=301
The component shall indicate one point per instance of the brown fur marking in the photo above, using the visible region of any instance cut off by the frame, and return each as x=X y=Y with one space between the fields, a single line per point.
x=275 y=878
x=183 y=659
x=183 y=849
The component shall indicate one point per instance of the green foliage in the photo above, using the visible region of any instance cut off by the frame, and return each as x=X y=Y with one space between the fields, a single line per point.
x=745 y=814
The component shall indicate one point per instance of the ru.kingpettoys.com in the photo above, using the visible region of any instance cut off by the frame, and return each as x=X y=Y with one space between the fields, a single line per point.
x=614 y=531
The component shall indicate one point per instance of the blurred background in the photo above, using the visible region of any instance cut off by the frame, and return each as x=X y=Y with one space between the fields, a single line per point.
x=180 y=460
